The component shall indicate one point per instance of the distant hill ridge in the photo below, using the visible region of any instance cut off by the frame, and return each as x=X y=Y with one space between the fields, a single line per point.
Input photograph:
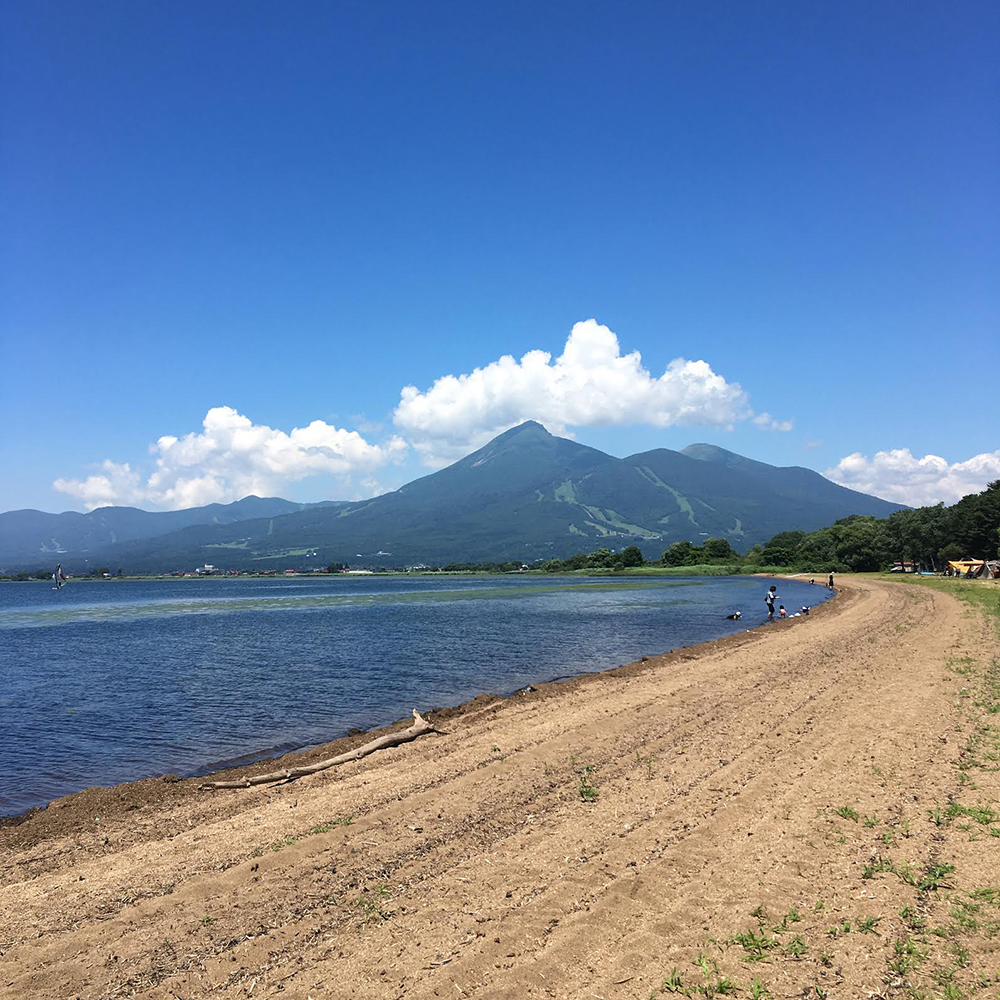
x=525 y=495
x=30 y=532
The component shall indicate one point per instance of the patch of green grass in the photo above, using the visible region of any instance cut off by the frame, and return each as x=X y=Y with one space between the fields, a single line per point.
x=847 y=812
x=868 y=925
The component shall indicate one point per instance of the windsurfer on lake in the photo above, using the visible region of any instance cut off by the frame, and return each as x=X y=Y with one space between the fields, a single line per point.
x=59 y=576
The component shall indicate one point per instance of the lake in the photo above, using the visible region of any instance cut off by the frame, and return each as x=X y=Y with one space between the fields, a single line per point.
x=103 y=682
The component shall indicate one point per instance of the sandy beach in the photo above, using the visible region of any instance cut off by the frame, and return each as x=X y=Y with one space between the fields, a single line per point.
x=807 y=805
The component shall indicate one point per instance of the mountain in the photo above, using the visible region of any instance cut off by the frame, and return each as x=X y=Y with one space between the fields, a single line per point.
x=30 y=534
x=526 y=495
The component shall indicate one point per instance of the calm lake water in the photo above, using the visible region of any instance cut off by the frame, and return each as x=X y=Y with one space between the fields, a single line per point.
x=112 y=681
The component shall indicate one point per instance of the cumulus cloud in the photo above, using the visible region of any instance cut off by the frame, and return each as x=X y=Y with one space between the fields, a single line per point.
x=590 y=384
x=898 y=475
x=768 y=423
x=230 y=458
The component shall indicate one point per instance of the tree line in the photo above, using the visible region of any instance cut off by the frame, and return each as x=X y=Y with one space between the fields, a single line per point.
x=928 y=536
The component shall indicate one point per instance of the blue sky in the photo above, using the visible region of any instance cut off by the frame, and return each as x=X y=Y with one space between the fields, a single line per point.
x=294 y=212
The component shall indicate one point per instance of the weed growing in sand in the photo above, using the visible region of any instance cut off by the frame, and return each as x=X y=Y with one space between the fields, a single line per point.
x=755 y=943
x=870 y=821
x=964 y=913
x=371 y=906
x=847 y=812
x=912 y=919
x=672 y=983
x=981 y=814
x=587 y=790
x=647 y=761
x=868 y=925
x=935 y=877
x=961 y=954
x=758 y=991
x=332 y=824
x=796 y=947
x=791 y=917
x=839 y=929
x=207 y=921
x=906 y=955
x=876 y=865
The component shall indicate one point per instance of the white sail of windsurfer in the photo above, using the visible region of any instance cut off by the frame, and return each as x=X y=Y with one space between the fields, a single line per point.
x=59 y=577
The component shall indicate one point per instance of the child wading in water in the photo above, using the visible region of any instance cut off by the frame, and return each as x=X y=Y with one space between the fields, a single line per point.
x=769 y=599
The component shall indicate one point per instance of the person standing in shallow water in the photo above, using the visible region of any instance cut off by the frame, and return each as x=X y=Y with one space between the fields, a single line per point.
x=769 y=599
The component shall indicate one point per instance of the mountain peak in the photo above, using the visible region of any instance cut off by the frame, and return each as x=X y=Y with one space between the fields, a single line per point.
x=708 y=452
x=532 y=427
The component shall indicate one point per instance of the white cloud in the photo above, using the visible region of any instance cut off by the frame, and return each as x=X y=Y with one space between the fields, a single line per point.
x=230 y=458
x=590 y=384
x=809 y=445
x=898 y=475
x=767 y=423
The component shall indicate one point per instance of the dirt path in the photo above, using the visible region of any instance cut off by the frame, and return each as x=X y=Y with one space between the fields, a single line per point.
x=768 y=798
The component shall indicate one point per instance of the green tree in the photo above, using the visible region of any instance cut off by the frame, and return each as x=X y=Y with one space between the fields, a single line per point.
x=781 y=550
x=951 y=551
x=632 y=556
x=681 y=554
x=718 y=550
x=600 y=558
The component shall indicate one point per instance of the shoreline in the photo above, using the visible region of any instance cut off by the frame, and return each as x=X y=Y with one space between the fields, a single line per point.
x=100 y=796
x=765 y=798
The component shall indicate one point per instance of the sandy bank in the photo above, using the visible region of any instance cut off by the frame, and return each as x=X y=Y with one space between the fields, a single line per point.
x=479 y=863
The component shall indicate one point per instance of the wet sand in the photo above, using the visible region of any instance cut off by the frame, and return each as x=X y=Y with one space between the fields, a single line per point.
x=748 y=798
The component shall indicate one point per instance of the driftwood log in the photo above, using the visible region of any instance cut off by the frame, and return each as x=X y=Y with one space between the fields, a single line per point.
x=419 y=727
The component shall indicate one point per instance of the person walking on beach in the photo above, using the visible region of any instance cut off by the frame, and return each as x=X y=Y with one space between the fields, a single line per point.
x=769 y=599
x=830 y=584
